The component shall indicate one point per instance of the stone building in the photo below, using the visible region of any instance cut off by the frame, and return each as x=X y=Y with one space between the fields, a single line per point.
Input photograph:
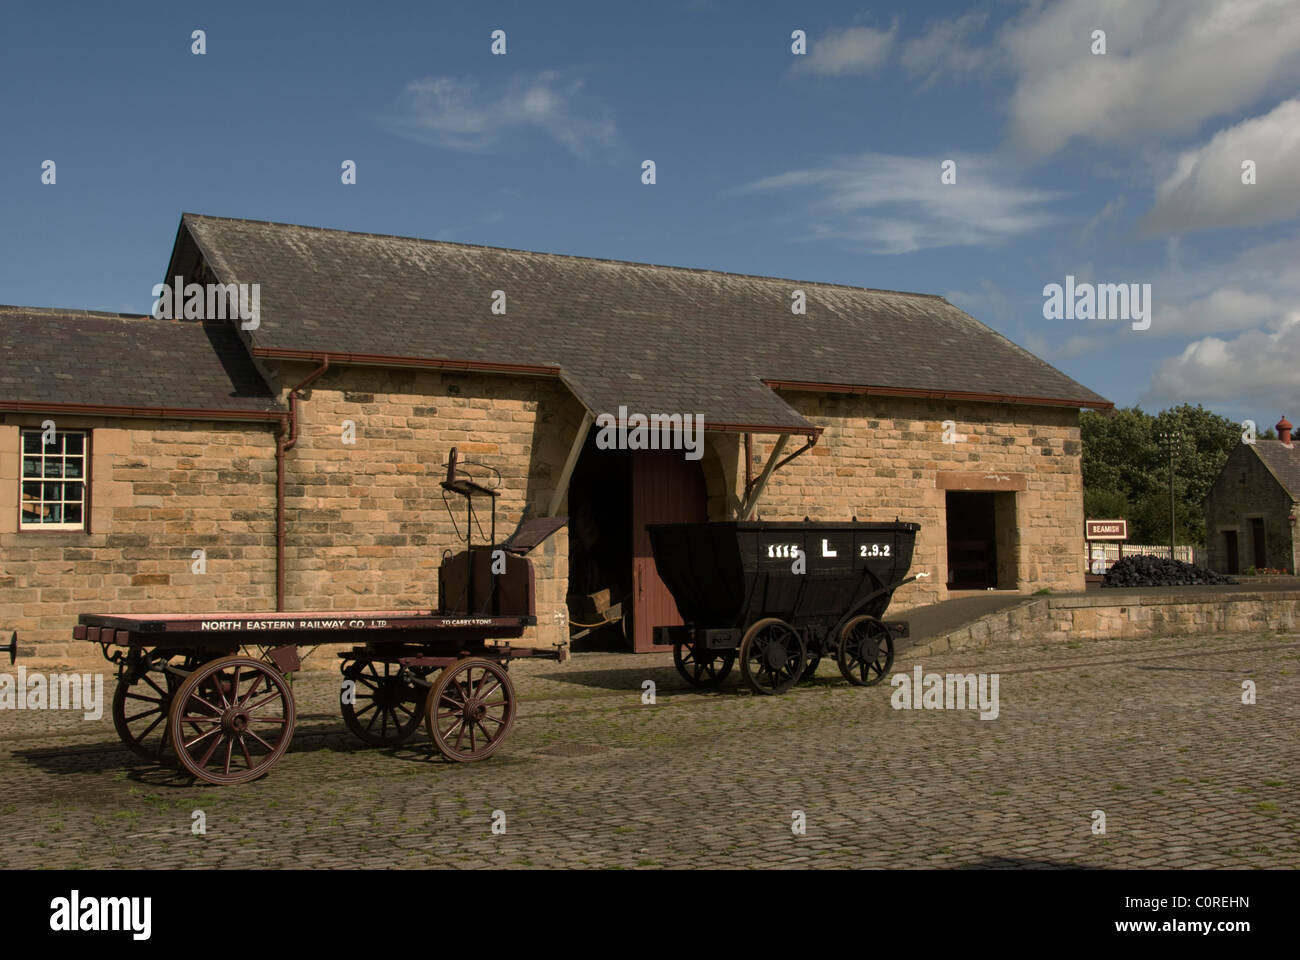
x=292 y=461
x=1251 y=510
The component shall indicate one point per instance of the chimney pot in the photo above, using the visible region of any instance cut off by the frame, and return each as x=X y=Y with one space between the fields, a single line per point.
x=1283 y=428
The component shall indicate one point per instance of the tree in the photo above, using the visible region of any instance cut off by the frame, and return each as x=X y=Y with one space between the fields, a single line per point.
x=1125 y=468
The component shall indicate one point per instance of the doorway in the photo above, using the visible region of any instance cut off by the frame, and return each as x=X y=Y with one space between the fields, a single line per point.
x=1230 y=545
x=1257 y=542
x=600 y=548
x=613 y=495
x=983 y=540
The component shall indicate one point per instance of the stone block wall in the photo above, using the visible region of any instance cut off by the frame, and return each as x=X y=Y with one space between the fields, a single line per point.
x=879 y=459
x=1114 y=615
x=160 y=490
x=366 y=521
x=1244 y=489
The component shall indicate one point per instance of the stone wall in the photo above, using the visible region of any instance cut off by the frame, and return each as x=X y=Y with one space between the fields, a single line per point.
x=879 y=459
x=1116 y=615
x=1245 y=488
x=160 y=490
x=367 y=523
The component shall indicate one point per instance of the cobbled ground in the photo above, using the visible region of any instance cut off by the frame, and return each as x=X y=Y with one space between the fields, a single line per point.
x=1152 y=733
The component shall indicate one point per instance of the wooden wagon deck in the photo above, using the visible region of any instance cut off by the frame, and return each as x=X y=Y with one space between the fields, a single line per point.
x=294 y=627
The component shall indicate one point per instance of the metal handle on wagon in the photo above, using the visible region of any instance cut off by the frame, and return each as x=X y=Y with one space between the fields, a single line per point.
x=13 y=648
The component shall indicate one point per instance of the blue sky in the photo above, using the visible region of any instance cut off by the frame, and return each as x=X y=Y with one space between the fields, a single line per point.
x=1115 y=168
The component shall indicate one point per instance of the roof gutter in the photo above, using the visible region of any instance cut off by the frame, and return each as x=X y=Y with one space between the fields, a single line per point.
x=749 y=428
x=168 y=413
x=283 y=444
x=936 y=394
x=389 y=360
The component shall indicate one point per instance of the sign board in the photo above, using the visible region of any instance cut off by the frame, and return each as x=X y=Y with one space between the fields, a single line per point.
x=1106 y=529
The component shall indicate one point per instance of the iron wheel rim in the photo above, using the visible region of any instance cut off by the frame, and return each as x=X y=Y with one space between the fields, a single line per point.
x=771 y=656
x=140 y=717
x=230 y=710
x=865 y=651
x=470 y=710
x=387 y=708
x=699 y=672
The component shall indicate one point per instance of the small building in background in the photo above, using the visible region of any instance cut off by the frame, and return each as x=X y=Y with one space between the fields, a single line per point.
x=1251 y=511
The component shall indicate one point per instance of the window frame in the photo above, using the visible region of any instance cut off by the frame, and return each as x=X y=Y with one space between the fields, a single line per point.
x=26 y=526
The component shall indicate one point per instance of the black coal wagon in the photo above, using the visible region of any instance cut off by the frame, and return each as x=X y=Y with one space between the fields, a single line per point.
x=189 y=691
x=780 y=596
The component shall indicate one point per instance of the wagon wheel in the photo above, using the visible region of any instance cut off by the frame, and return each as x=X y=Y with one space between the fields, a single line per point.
x=387 y=707
x=140 y=710
x=232 y=719
x=771 y=656
x=700 y=666
x=865 y=652
x=470 y=709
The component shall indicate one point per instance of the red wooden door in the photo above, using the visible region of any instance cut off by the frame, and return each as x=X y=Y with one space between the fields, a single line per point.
x=666 y=488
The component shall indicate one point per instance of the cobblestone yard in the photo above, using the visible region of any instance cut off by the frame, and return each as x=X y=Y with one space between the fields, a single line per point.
x=1152 y=733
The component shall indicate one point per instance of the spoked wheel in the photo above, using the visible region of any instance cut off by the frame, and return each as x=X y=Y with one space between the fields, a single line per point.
x=810 y=670
x=866 y=651
x=470 y=709
x=771 y=656
x=232 y=719
x=387 y=704
x=700 y=666
x=140 y=710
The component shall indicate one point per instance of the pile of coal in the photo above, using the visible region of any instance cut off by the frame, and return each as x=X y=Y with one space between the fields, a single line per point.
x=1145 y=570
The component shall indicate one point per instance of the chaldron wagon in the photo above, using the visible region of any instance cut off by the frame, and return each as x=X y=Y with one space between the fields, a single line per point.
x=189 y=692
x=780 y=596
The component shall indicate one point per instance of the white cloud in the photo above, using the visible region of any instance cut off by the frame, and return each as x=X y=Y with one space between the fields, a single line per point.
x=1256 y=369
x=944 y=47
x=1110 y=211
x=848 y=51
x=896 y=204
x=1205 y=190
x=1224 y=311
x=455 y=114
x=1169 y=65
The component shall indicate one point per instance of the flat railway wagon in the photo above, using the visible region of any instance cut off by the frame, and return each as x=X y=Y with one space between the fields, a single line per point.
x=779 y=596
x=189 y=693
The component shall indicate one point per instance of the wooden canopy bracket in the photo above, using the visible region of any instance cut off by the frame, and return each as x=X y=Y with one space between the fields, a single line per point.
x=754 y=489
x=562 y=484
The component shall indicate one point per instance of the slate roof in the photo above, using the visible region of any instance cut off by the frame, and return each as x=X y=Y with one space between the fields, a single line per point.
x=58 y=357
x=1283 y=462
x=654 y=338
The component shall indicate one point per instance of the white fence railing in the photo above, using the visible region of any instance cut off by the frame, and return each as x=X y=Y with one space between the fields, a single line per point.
x=1106 y=553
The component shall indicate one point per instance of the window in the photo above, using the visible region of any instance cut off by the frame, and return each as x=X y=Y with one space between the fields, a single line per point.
x=54 y=480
